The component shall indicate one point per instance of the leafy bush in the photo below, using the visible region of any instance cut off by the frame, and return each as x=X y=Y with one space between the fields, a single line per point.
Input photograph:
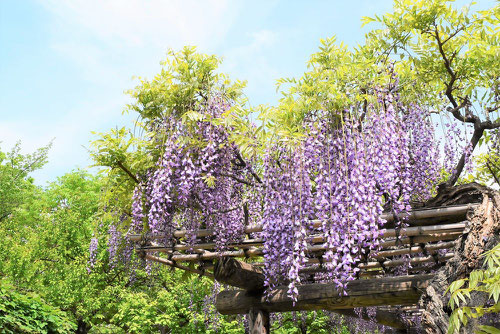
x=20 y=313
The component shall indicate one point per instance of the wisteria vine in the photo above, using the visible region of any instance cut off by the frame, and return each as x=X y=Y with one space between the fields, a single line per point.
x=345 y=173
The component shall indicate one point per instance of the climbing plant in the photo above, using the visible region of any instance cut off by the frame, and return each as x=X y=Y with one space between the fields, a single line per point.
x=354 y=136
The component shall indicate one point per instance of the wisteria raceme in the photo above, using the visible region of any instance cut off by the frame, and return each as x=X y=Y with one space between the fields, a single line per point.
x=454 y=137
x=356 y=174
x=137 y=211
x=114 y=242
x=424 y=153
x=287 y=217
x=193 y=185
x=345 y=172
x=94 y=243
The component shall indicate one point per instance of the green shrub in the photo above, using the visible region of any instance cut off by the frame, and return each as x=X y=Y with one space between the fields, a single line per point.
x=22 y=313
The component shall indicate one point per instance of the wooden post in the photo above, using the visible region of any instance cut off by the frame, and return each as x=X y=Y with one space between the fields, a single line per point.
x=258 y=321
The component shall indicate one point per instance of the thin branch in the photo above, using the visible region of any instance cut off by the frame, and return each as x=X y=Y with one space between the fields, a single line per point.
x=478 y=132
x=125 y=169
x=240 y=180
x=453 y=34
x=492 y=172
x=245 y=212
x=236 y=207
x=491 y=109
x=489 y=125
x=244 y=164
x=453 y=75
x=456 y=112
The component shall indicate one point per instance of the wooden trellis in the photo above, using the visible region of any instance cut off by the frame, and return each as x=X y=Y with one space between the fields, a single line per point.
x=428 y=241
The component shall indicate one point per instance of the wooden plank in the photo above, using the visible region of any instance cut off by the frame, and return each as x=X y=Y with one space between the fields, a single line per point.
x=404 y=290
x=251 y=278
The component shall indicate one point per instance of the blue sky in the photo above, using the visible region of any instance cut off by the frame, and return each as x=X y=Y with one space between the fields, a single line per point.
x=64 y=65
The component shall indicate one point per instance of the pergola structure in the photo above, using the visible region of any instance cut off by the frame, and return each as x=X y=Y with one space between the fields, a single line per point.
x=428 y=241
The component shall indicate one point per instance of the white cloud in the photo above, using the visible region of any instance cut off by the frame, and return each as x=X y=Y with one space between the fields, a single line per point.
x=108 y=42
x=157 y=23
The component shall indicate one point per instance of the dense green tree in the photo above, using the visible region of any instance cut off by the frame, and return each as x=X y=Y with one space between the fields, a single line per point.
x=16 y=184
x=46 y=251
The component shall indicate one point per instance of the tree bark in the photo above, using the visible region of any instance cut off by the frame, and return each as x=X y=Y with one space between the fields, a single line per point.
x=483 y=234
x=258 y=321
x=239 y=274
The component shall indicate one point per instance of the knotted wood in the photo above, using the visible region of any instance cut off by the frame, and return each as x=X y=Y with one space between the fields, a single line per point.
x=239 y=274
x=483 y=234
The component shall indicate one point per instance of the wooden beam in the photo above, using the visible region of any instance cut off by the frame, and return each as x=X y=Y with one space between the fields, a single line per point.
x=246 y=276
x=404 y=290
x=240 y=274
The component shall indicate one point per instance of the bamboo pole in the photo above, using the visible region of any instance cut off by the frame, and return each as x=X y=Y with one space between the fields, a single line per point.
x=362 y=266
x=254 y=252
x=179 y=266
x=390 y=233
x=413 y=250
x=382 y=265
x=412 y=216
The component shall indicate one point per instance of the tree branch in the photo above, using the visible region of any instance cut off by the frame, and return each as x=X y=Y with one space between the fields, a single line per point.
x=453 y=34
x=479 y=126
x=491 y=109
x=456 y=112
x=5 y=216
x=125 y=169
x=236 y=207
x=489 y=125
x=492 y=172
x=244 y=164
x=478 y=132
x=237 y=179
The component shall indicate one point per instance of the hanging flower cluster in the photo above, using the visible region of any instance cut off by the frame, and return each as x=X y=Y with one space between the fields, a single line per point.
x=454 y=138
x=344 y=174
x=194 y=185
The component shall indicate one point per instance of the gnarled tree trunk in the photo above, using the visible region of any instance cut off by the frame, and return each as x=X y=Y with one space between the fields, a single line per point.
x=482 y=234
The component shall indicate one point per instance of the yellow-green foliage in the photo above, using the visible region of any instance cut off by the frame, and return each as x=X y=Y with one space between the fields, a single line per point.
x=485 y=281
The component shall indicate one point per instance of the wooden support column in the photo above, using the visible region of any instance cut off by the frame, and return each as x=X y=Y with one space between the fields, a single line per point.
x=258 y=321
